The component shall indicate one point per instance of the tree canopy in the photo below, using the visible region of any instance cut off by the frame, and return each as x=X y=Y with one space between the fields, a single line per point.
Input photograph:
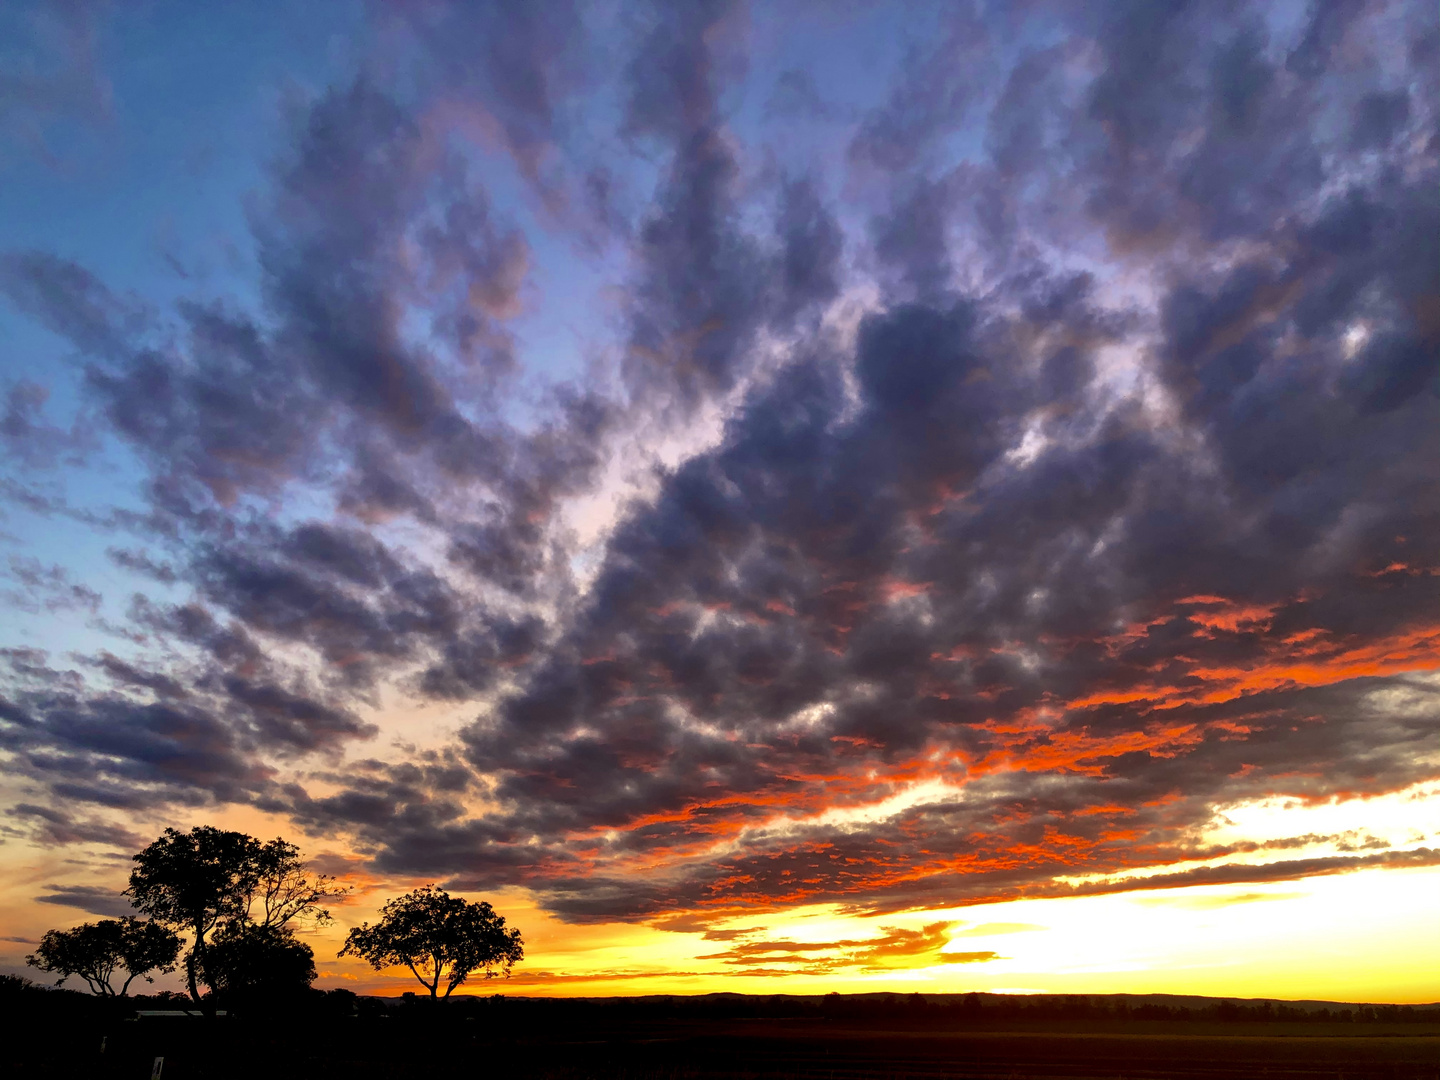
x=439 y=937
x=211 y=878
x=248 y=964
x=96 y=951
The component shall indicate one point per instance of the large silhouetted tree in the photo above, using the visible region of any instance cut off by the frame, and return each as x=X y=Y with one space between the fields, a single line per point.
x=211 y=879
x=96 y=951
x=439 y=937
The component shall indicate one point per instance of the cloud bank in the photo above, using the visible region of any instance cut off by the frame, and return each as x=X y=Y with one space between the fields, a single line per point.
x=998 y=473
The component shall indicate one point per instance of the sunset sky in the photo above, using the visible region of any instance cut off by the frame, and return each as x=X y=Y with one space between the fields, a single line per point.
x=781 y=498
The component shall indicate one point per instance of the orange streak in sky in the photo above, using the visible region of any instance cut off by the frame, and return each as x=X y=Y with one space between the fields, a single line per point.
x=1305 y=658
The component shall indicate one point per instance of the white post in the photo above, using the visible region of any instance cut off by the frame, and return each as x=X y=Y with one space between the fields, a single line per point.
x=157 y=1068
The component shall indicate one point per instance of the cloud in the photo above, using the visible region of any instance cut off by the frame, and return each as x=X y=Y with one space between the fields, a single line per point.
x=700 y=293
x=934 y=88
x=969 y=957
x=529 y=60
x=92 y=899
x=895 y=947
x=1283 y=870
x=30 y=440
x=969 y=512
x=47 y=588
x=54 y=827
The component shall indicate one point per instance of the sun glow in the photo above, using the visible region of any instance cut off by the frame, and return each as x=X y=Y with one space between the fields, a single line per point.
x=1312 y=939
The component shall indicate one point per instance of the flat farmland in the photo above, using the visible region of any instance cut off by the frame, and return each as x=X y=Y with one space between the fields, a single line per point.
x=675 y=1040
x=770 y=1049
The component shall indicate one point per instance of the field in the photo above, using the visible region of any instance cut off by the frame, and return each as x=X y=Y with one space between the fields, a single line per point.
x=781 y=1049
x=695 y=1039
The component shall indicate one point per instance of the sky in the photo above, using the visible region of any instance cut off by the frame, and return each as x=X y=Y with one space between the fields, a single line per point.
x=776 y=497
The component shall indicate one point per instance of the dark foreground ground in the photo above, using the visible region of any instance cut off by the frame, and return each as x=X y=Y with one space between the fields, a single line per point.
x=880 y=1036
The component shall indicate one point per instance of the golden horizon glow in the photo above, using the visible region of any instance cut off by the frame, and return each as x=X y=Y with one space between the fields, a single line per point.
x=1316 y=938
x=1365 y=935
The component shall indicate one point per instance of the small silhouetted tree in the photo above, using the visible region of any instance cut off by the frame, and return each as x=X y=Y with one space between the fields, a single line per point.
x=209 y=879
x=96 y=951
x=439 y=937
x=251 y=964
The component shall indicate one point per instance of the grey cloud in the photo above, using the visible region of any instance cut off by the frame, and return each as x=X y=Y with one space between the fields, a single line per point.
x=114 y=751
x=955 y=544
x=92 y=899
x=1285 y=870
x=699 y=295
x=30 y=440
x=57 y=827
x=521 y=62
x=48 y=588
x=1324 y=31
x=936 y=85
x=71 y=301
x=813 y=246
x=912 y=238
x=142 y=563
x=1379 y=117
x=284 y=718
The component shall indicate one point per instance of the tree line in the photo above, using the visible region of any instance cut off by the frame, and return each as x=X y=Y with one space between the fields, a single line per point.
x=240 y=900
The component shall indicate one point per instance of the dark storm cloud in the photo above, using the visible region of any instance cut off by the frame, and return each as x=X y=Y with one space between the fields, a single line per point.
x=284 y=719
x=127 y=674
x=344 y=201
x=130 y=735
x=276 y=596
x=1117 y=507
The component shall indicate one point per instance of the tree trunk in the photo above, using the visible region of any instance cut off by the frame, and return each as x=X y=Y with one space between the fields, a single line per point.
x=192 y=963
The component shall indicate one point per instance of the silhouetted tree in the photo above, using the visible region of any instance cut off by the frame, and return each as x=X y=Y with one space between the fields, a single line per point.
x=95 y=951
x=211 y=878
x=249 y=964
x=439 y=937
